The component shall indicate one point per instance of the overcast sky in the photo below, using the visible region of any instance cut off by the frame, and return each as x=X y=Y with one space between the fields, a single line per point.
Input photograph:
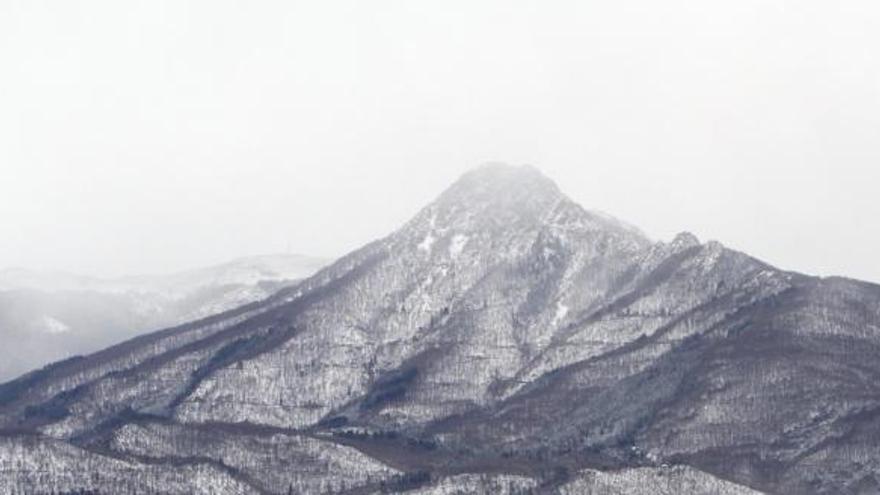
x=143 y=137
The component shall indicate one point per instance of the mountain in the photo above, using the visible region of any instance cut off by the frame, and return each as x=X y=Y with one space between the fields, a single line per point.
x=46 y=316
x=505 y=340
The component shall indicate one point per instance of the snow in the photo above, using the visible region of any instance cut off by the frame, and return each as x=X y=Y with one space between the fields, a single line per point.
x=459 y=241
x=561 y=313
x=389 y=305
x=53 y=326
x=242 y=271
x=426 y=244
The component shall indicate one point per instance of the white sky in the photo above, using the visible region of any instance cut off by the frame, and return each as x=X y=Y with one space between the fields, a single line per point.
x=158 y=135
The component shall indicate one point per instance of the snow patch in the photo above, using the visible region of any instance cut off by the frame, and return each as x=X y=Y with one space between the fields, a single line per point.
x=457 y=246
x=426 y=244
x=561 y=313
x=53 y=326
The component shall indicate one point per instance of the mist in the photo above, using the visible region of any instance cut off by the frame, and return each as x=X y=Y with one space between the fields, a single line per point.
x=150 y=137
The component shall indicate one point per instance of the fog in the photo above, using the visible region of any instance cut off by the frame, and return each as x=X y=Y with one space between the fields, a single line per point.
x=145 y=137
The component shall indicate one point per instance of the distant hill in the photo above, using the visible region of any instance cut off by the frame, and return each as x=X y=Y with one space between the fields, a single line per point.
x=46 y=316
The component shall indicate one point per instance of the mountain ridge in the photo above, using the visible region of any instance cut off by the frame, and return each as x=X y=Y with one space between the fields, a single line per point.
x=52 y=315
x=295 y=266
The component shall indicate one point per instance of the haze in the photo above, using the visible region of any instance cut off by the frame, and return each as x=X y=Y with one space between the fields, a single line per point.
x=143 y=137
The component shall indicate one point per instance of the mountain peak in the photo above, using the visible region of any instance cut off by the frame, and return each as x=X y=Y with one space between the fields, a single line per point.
x=508 y=207
x=500 y=179
x=501 y=170
x=501 y=191
x=492 y=199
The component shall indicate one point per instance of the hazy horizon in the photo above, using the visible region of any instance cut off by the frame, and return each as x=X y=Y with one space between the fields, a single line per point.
x=159 y=137
x=173 y=272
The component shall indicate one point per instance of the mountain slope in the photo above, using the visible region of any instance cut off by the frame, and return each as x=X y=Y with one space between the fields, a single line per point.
x=50 y=316
x=505 y=337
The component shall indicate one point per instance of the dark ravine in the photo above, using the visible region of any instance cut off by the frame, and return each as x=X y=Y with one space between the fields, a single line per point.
x=505 y=340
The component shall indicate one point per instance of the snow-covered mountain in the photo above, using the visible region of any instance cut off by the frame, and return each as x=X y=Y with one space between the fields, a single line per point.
x=46 y=316
x=505 y=340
